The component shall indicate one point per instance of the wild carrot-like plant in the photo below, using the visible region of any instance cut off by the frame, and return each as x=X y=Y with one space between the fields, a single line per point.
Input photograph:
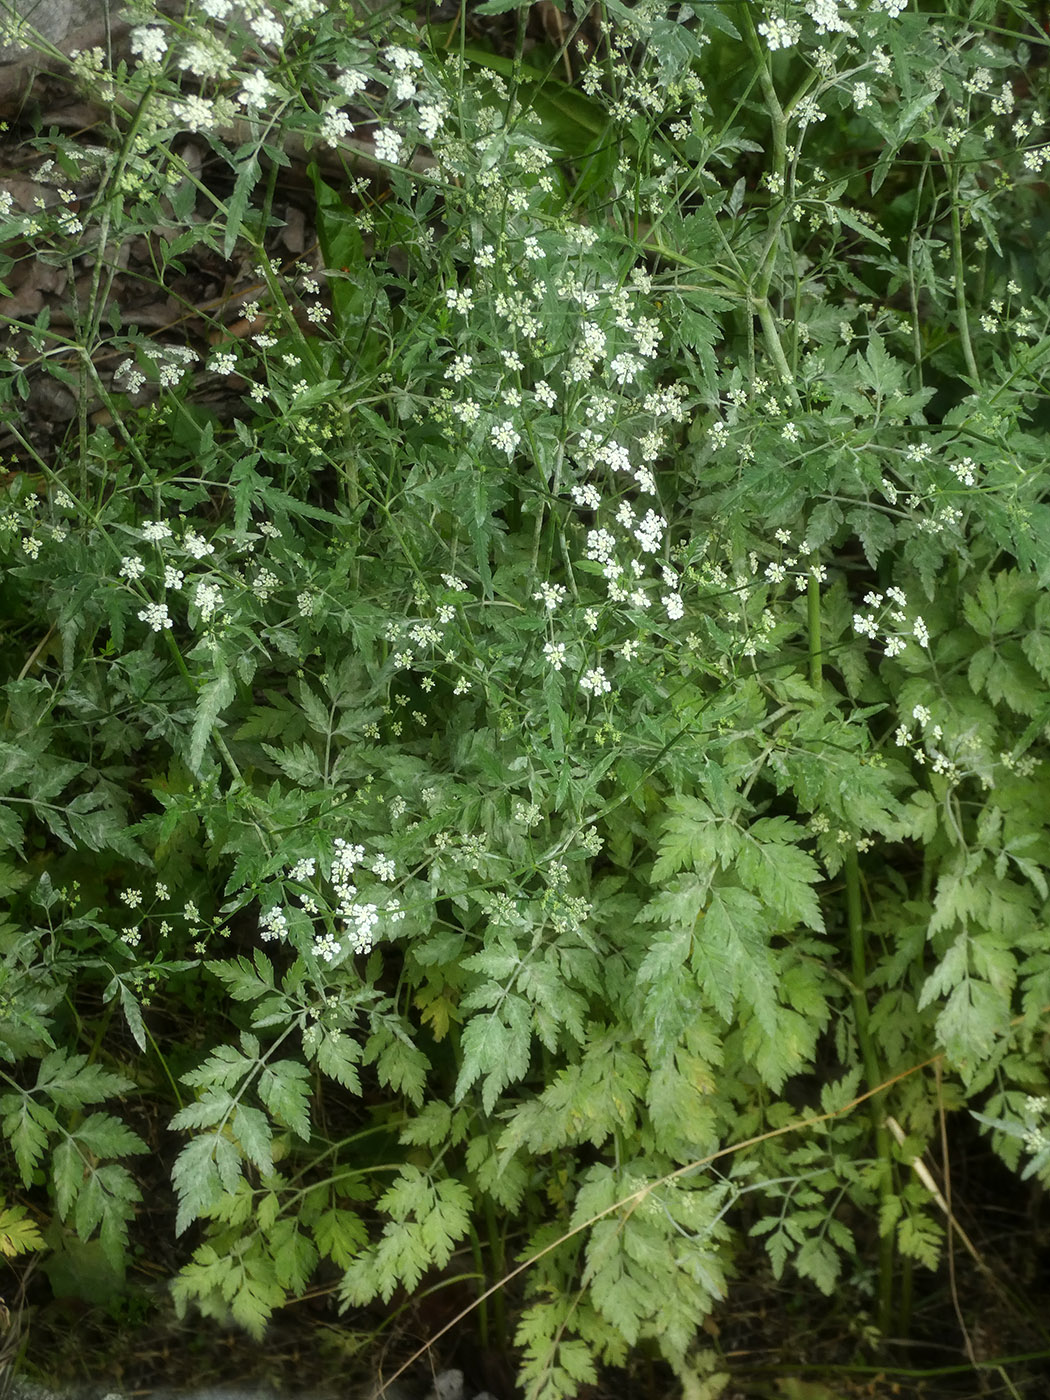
x=546 y=685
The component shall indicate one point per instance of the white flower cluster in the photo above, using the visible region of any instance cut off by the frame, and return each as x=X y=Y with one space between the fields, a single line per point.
x=870 y=624
x=361 y=917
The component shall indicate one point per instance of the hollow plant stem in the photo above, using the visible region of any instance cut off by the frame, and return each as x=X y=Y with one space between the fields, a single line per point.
x=499 y=1266
x=883 y=1150
x=859 y=976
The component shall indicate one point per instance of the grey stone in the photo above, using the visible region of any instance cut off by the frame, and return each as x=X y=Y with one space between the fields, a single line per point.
x=448 y=1385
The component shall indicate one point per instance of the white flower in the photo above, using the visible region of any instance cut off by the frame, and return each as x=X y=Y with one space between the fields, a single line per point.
x=274 y=924
x=267 y=28
x=364 y=918
x=779 y=33
x=402 y=60
x=550 y=595
x=257 y=91
x=388 y=145
x=334 y=126
x=326 y=947
x=196 y=545
x=600 y=545
x=149 y=44
x=195 y=113
x=825 y=15
x=156 y=615
x=625 y=368
x=207 y=599
x=350 y=83
x=431 y=115
x=504 y=436
x=594 y=682
x=554 y=653
x=650 y=532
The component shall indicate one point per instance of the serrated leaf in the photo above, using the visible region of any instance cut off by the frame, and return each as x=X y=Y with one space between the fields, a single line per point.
x=205 y=1167
x=252 y=1130
x=213 y=1106
x=26 y=1127
x=340 y=1235
x=294 y=1255
x=337 y=1056
x=283 y=1088
x=19 y=1234
x=103 y=1135
x=496 y=1048
x=779 y=872
x=70 y=1082
x=212 y=699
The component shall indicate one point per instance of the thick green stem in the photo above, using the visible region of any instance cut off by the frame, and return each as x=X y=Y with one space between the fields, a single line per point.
x=872 y=1072
x=483 y=1307
x=497 y=1255
x=960 y=282
x=859 y=975
x=758 y=288
x=816 y=651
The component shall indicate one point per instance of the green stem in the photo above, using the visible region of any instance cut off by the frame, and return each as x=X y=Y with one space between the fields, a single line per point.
x=904 y=1303
x=873 y=1074
x=859 y=975
x=960 y=281
x=483 y=1306
x=816 y=651
x=499 y=1268
x=758 y=288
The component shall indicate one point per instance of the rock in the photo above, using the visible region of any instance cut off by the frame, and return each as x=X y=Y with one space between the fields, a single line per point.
x=448 y=1385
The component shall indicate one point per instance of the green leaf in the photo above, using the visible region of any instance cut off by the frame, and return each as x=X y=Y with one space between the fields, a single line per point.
x=337 y=1056
x=18 y=1233
x=339 y=1235
x=294 y=1256
x=103 y=1135
x=212 y=699
x=213 y=1106
x=731 y=956
x=283 y=1088
x=26 y=1127
x=496 y=1048
x=247 y=177
x=70 y=1082
x=252 y=1131
x=244 y=982
x=694 y=836
x=779 y=872
x=206 y=1166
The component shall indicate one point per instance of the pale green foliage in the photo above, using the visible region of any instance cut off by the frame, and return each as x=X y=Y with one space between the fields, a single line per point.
x=46 y=1126
x=603 y=710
